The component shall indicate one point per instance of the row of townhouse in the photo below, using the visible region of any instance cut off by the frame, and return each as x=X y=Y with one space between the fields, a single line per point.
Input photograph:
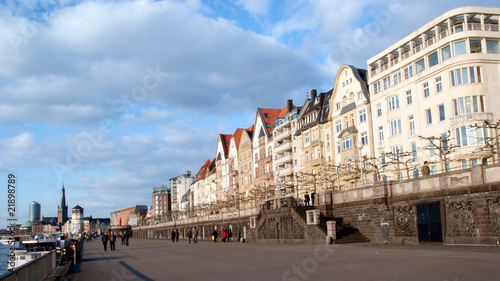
x=428 y=97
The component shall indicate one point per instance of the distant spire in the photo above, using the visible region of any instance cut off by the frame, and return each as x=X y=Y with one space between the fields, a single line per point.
x=62 y=204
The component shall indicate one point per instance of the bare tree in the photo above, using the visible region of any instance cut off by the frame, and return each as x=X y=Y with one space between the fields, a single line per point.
x=444 y=147
x=491 y=143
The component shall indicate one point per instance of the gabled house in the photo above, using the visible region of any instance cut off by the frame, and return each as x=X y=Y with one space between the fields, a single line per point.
x=351 y=126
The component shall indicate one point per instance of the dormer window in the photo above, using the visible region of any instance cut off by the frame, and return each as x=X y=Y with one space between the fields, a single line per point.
x=266 y=115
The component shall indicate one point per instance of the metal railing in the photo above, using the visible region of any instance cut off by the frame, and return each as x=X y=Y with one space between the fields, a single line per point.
x=35 y=270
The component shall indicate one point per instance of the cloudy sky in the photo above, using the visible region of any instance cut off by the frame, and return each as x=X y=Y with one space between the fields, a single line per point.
x=113 y=98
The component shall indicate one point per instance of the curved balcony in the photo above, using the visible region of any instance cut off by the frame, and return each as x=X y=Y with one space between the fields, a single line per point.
x=282 y=147
x=476 y=116
x=282 y=159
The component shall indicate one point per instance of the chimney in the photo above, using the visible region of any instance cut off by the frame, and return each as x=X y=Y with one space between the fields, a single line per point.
x=313 y=94
x=290 y=105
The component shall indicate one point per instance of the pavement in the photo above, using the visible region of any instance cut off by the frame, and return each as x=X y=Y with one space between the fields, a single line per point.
x=157 y=259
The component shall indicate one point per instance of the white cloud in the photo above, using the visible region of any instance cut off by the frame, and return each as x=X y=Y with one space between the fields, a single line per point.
x=255 y=6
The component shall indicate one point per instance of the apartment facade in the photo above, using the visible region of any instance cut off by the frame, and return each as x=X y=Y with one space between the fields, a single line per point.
x=434 y=89
x=161 y=201
x=351 y=129
x=285 y=149
x=179 y=186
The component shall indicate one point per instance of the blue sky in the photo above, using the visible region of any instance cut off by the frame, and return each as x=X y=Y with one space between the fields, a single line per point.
x=114 y=98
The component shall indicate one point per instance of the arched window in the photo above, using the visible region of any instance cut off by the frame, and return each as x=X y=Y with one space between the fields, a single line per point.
x=351 y=97
x=344 y=101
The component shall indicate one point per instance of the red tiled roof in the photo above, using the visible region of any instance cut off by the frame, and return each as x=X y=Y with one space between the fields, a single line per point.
x=225 y=139
x=273 y=115
x=237 y=137
x=203 y=171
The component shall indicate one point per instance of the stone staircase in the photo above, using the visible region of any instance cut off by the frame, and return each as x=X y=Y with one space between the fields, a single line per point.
x=346 y=233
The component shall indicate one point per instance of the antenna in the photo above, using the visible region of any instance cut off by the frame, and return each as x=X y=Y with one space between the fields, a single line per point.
x=307 y=94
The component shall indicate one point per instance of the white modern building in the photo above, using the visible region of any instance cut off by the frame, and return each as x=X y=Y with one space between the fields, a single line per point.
x=432 y=87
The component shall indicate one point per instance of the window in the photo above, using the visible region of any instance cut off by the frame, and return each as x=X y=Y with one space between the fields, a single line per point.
x=396 y=150
x=307 y=138
x=381 y=135
x=473 y=162
x=433 y=59
x=465 y=75
x=408 y=71
x=392 y=103
x=439 y=86
x=475 y=46
x=360 y=95
x=442 y=116
x=338 y=125
x=432 y=148
x=411 y=125
x=459 y=48
x=376 y=87
x=464 y=164
x=379 y=109
x=446 y=53
x=364 y=138
x=468 y=105
x=347 y=143
x=338 y=147
x=426 y=89
x=362 y=115
x=387 y=82
x=409 y=100
x=394 y=127
x=307 y=156
x=428 y=116
x=397 y=77
x=470 y=136
x=420 y=65
x=414 y=151
x=492 y=47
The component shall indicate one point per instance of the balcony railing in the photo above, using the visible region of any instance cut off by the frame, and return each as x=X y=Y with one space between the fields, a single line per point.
x=477 y=116
x=318 y=161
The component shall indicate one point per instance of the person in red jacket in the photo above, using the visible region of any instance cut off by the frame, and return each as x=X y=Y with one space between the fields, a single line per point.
x=224 y=235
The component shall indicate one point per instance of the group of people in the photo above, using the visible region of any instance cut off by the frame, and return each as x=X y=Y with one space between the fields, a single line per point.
x=227 y=235
x=190 y=234
x=308 y=199
x=112 y=240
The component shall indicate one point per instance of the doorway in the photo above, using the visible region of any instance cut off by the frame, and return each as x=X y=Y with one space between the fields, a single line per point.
x=429 y=223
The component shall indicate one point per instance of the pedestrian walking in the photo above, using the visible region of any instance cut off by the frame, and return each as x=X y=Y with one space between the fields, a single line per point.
x=229 y=235
x=176 y=235
x=224 y=235
x=105 y=239
x=214 y=235
x=306 y=199
x=313 y=195
x=195 y=238
x=127 y=236
x=123 y=239
x=112 y=241
x=189 y=234
x=425 y=169
x=173 y=235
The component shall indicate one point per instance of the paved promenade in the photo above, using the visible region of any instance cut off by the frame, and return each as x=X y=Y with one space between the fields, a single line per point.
x=147 y=259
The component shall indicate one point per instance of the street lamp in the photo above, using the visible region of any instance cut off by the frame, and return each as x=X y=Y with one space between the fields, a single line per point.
x=360 y=145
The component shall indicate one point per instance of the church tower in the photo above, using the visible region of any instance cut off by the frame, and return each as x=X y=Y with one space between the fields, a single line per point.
x=62 y=209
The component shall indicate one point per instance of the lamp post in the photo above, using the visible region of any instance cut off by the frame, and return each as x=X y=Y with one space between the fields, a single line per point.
x=360 y=145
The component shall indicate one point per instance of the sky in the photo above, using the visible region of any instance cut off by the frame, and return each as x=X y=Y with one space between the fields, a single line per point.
x=113 y=98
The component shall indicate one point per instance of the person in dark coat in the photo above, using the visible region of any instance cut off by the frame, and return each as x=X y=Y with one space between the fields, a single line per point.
x=127 y=236
x=176 y=235
x=313 y=195
x=105 y=239
x=173 y=235
x=112 y=241
x=123 y=239
x=306 y=199
x=215 y=234
x=425 y=169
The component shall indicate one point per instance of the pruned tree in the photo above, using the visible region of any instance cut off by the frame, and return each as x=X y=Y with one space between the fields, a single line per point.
x=442 y=147
x=377 y=165
x=491 y=142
